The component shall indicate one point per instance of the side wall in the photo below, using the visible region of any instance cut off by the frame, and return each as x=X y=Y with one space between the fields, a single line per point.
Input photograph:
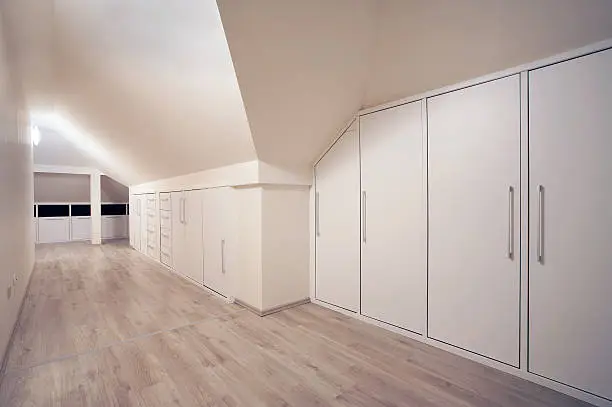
x=285 y=248
x=58 y=187
x=16 y=200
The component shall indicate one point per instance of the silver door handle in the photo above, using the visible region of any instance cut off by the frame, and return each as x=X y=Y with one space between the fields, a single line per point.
x=317 y=225
x=223 y=256
x=511 y=222
x=541 y=224
x=183 y=206
x=363 y=208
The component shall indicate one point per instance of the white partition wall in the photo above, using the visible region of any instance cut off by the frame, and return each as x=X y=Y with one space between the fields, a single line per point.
x=570 y=261
x=474 y=173
x=337 y=223
x=394 y=228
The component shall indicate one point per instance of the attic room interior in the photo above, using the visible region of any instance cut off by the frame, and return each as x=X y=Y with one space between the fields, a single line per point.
x=298 y=203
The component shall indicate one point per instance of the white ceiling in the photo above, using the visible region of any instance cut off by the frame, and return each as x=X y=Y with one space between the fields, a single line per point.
x=153 y=83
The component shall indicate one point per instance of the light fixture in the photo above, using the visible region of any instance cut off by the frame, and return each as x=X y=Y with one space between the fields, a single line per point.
x=35 y=135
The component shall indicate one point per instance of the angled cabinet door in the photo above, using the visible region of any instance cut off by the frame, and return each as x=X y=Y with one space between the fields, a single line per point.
x=217 y=214
x=474 y=173
x=570 y=204
x=337 y=223
x=393 y=234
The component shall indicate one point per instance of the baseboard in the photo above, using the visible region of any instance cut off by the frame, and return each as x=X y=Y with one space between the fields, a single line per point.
x=272 y=310
x=9 y=345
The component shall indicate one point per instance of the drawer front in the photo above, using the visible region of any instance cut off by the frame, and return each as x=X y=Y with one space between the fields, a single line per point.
x=165 y=219
x=164 y=202
x=151 y=203
x=166 y=240
x=165 y=258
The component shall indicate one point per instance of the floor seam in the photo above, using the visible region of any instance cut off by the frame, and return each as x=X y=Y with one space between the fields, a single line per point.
x=8 y=371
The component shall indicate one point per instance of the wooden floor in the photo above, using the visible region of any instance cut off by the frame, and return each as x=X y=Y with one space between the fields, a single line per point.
x=103 y=326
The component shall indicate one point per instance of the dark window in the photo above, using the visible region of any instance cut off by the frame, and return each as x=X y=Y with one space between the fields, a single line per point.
x=81 y=210
x=52 y=211
x=34 y=210
x=113 y=209
x=127 y=208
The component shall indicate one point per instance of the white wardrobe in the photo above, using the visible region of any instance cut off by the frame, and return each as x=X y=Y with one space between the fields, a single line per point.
x=187 y=246
x=474 y=173
x=570 y=206
x=337 y=224
x=393 y=217
x=217 y=211
x=422 y=211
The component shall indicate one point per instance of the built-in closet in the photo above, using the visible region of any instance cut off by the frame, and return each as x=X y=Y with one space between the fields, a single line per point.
x=478 y=218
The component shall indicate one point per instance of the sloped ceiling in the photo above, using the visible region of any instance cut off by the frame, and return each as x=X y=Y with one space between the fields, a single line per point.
x=154 y=83
x=426 y=44
x=54 y=149
x=302 y=67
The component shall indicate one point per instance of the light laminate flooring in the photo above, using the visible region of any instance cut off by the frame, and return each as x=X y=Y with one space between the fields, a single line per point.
x=104 y=326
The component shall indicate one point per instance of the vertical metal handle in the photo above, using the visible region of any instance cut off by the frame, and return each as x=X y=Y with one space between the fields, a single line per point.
x=363 y=221
x=511 y=222
x=183 y=206
x=223 y=256
x=541 y=224
x=317 y=225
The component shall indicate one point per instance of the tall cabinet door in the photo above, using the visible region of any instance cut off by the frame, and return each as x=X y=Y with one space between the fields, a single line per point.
x=393 y=235
x=337 y=223
x=217 y=211
x=135 y=229
x=192 y=221
x=570 y=261
x=178 y=232
x=474 y=173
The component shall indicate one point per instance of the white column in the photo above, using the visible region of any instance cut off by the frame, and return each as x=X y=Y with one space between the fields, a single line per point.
x=96 y=206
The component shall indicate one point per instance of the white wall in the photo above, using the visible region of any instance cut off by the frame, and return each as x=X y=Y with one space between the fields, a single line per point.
x=50 y=187
x=113 y=191
x=285 y=245
x=246 y=261
x=16 y=200
x=58 y=187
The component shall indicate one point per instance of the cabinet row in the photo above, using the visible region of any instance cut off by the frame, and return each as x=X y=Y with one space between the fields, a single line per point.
x=418 y=220
x=188 y=231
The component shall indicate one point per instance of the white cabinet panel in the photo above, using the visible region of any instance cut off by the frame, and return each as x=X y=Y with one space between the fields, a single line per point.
x=178 y=232
x=193 y=236
x=165 y=203
x=135 y=222
x=53 y=230
x=165 y=219
x=394 y=245
x=474 y=160
x=114 y=227
x=187 y=251
x=80 y=228
x=217 y=216
x=570 y=288
x=337 y=223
